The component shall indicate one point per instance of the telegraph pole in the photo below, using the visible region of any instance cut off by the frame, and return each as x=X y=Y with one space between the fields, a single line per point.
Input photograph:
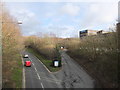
x=1 y=11
x=118 y=43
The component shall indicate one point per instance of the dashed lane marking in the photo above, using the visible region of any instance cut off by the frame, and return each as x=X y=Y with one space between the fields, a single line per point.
x=38 y=76
x=33 y=64
x=42 y=86
x=35 y=69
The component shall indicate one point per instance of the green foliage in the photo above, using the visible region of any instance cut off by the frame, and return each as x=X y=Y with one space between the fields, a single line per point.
x=17 y=74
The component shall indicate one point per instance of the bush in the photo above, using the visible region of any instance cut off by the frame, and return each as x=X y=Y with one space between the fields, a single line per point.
x=46 y=46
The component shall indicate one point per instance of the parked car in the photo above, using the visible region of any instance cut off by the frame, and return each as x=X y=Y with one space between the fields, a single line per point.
x=27 y=62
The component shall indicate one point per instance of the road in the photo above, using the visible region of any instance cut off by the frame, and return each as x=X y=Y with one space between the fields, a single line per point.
x=70 y=76
x=37 y=76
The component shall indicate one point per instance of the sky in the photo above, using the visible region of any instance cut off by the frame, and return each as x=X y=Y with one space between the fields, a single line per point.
x=64 y=19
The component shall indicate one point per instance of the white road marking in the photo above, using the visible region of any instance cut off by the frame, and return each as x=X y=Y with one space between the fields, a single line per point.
x=44 y=65
x=37 y=72
x=46 y=69
x=42 y=85
x=33 y=63
x=38 y=76
x=35 y=69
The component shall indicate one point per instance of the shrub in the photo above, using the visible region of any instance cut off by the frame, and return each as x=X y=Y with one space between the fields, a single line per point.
x=45 y=46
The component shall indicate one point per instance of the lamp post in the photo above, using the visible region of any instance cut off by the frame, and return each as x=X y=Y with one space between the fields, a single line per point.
x=19 y=22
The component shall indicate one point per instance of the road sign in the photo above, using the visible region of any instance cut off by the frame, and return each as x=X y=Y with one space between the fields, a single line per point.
x=56 y=63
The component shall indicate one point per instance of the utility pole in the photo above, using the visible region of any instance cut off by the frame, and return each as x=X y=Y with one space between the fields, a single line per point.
x=118 y=43
x=1 y=10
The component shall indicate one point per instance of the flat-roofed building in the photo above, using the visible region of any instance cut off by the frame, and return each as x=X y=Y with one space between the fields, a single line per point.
x=102 y=32
x=91 y=32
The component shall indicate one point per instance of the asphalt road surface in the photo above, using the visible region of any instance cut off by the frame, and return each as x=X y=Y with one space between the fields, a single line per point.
x=70 y=76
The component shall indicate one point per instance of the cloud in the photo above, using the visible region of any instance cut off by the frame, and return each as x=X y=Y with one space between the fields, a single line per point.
x=21 y=14
x=105 y=12
x=100 y=14
x=62 y=19
x=30 y=22
x=70 y=9
x=49 y=14
x=62 y=30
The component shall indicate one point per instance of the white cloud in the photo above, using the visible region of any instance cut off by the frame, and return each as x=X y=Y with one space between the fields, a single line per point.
x=49 y=14
x=104 y=12
x=70 y=9
x=100 y=14
x=30 y=23
x=96 y=15
x=22 y=14
x=64 y=31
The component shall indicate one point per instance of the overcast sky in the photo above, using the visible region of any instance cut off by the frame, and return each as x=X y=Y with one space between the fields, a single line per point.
x=64 y=19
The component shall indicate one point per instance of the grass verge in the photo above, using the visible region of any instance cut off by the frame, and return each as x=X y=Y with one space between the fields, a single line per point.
x=47 y=63
x=12 y=72
x=17 y=73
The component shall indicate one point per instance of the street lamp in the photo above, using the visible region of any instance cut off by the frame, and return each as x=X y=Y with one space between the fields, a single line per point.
x=19 y=22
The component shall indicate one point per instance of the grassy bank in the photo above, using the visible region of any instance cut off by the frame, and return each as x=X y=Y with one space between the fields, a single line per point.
x=103 y=71
x=17 y=73
x=11 y=47
x=12 y=73
x=98 y=55
x=44 y=60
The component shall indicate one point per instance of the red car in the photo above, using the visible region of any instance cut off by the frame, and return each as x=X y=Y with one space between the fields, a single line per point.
x=27 y=62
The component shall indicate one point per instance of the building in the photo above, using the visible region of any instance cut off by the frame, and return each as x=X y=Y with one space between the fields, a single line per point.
x=91 y=32
x=102 y=32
